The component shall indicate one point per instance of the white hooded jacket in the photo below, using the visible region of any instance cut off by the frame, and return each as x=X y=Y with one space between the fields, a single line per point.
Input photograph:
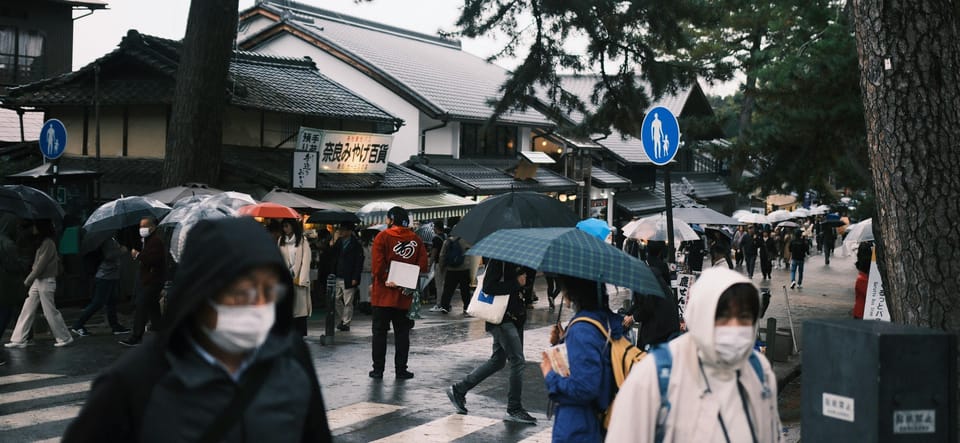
x=693 y=416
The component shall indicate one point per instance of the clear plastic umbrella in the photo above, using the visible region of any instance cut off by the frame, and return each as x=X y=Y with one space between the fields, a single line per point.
x=800 y=213
x=189 y=200
x=201 y=211
x=860 y=232
x=655 y=229
x=778 y=216
x=754 y=218
x=375 y=212
x=234 y=200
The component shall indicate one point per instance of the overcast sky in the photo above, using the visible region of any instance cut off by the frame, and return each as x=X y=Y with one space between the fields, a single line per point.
x=97 y=34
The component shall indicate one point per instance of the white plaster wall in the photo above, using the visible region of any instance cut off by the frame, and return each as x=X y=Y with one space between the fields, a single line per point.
x=441 y=141
x=406 y=141
x=525 y=135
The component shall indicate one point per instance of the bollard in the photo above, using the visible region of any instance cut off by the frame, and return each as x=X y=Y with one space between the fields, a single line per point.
x=331 y=320
x=771 y=338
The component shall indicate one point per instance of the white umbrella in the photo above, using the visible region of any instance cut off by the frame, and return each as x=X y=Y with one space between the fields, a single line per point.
x=232 y=199
x=375 y=212
x=754 y=218
x=778 y=216
x=736 y=214
x=800 y=213
x=655 y=228
x=860 y=232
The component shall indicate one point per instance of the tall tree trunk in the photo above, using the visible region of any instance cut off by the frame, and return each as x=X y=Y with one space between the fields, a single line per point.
x=909 y=53
x=741 y=153
x=195 y=134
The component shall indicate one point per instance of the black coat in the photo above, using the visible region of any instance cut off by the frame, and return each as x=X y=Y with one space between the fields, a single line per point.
x=748 y=245
x=659 y=316
x=164 y=391
x=349 y=260
x=500 y=279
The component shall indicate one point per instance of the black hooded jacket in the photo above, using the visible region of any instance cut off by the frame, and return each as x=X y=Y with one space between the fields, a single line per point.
x=164 y=391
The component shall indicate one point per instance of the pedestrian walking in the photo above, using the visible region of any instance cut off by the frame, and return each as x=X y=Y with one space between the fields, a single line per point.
x=348 y=268
x=453 y=264
x=390 y=303
x=42 y=284
x=435 y=287
x=13 y=270
x=799 y=249
x=106 y=289
x=829 y=241
x=296 y=251
x=590 y=385
x=707 y=384
x=227 y=368
x=502 y=279
x=658 y=314
x=152 y=258
x=553 y=290
x=695 y=255
x=735 y=245
x=749 y=247
x=768 y=250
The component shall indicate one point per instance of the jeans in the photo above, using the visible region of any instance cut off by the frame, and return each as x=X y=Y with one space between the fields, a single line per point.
x=796 y=265
x=507 y=346
x=383 y=317
x=148 y=307
x=751 y=264
x=41 y=292
x=104 y=294
x=344 y=303
x=451 y=281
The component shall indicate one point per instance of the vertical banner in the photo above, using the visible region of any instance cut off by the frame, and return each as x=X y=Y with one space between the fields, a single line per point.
x=684 y=281
x=304 y=170
x=876 y=305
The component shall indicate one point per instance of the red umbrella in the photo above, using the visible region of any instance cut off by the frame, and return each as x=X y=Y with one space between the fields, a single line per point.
x=269 y=210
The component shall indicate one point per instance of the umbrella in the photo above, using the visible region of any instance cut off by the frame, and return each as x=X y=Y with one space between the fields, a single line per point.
x=800 y=213
x=189 y=200
x=425 y=232
x=778 y=216
x=293 y=200
x=832 y=221
x=716 y=233
x=235 y=200
x=704 y=216
x=332 y=217
x=736 y=214
x=595 y=227
x=513 y=210
x=199 y=212
x=375 y=212
x=788 y=224
x=171 y=195
x=568 y=251
x=269 y=210
x=754 y=218
x=116 y=215
x=655 y=228
x=860 y=232
x=31 y=204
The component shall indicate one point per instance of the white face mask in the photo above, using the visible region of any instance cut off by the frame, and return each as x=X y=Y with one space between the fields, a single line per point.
x=144 y=232
x=733 y=343
x=241 y=329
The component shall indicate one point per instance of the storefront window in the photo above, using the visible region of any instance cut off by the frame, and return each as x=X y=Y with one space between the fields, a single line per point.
x=495 y=141
x=21 y=55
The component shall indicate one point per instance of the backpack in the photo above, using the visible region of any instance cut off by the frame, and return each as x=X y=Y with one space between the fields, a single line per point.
x=664 y=362
x=454 y=256
x=623 y=355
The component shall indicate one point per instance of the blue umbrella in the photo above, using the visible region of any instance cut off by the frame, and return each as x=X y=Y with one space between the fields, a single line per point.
x=568 y=251
x=595 y=227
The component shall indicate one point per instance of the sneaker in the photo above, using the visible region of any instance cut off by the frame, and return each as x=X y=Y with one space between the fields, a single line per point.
x=61 y=344
x=404 y=375
x=436 y=308
x=15 y=344
x=799 y=286
x=376 y=374
x=444 y=311
x=81 y=331
x=467 y=314
x=459 y=400
x=121 y=330
x=520 y=416
x=343 y=328
x=129 y=342
x=793 y=284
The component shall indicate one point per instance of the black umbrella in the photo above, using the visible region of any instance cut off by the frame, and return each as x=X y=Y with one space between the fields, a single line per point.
x=118 y=214
x=31 y=204
x=514 y=210
x=333 y=217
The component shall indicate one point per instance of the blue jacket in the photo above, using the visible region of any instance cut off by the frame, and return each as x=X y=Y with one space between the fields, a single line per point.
x=590 y=387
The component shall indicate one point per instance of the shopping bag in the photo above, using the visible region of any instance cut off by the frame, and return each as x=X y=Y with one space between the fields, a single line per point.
x=488 y=307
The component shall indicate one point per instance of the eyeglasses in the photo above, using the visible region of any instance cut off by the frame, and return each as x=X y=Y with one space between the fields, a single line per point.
x=249 y=296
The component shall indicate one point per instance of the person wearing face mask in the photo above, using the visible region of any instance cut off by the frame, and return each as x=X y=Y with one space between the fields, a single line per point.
x=228 y=367
x=152 y=258
x=718 y=389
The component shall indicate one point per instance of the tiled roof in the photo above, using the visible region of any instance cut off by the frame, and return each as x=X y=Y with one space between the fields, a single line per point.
x=606 y=179
x=489 y=176
x=142 y=71
x=272 y=168
x=702 y=186
x=639 y=202
x=444 y=79
x=10 y=125
x=121 y=176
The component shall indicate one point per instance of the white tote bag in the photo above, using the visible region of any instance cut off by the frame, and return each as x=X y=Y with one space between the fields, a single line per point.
x=489 y=308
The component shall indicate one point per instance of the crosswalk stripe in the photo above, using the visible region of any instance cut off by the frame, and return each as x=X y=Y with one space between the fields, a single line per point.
x=49 y=440
x=20 y=378
x=358 y=412
x=544 y=436
x=38 y=416
x=445 y=429
x=48 y=391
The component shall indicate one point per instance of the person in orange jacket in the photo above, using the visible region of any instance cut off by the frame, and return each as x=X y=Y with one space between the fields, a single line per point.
x=390 y=303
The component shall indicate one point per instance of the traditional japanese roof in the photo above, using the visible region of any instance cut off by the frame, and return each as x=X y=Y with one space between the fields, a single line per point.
x=142 y=70
x=488 y=176
x=431 y=72
x=605 y=179
x=699 y=185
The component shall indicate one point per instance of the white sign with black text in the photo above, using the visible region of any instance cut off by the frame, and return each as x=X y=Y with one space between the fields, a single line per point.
x=838 y=407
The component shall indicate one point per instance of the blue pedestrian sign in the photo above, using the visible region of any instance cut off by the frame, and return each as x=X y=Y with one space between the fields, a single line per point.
x=660 y=135
x=53 y=139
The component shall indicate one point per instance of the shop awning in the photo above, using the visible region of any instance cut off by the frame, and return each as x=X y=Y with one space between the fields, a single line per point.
x=603 y=178
x=422 y=207
x=489 y=176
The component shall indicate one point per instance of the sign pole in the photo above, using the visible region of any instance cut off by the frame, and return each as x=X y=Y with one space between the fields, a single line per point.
x=668 y=201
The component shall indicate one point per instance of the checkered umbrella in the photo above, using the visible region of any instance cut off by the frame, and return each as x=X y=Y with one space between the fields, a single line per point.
x=568 y=251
